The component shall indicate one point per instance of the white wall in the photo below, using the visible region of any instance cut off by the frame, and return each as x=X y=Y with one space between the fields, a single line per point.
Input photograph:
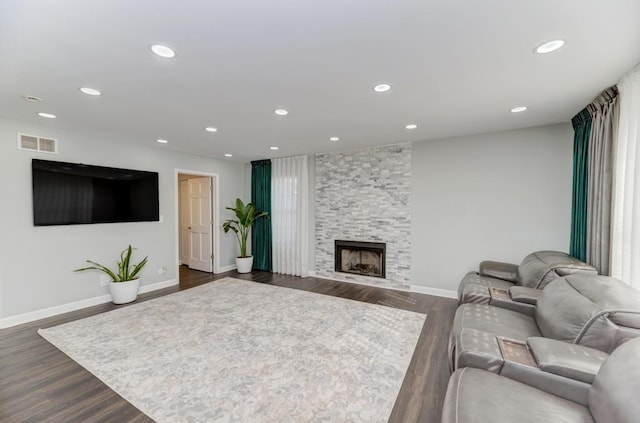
x=495 y=196
x=36 y=263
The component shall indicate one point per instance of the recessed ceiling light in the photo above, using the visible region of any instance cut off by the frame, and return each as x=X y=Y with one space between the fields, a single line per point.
x=90 y=91
x=518 y=109
x=161 y=141
x=549 y=46
x=211 y=129
x=274 y=148
x=163 y=51
x=382 y=88
x=32 y=98
x=334 y=139
x=411 y=126
x=281 y=112
x=228 y=155
x=47 y=115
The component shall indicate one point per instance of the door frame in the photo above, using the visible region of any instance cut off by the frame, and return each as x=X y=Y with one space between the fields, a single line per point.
x=215 y=214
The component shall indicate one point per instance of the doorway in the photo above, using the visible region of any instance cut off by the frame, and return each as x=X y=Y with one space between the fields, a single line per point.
x=196 y=203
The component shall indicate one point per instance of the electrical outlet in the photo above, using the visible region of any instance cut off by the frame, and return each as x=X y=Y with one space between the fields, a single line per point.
x=162 y=270
x=104 y=280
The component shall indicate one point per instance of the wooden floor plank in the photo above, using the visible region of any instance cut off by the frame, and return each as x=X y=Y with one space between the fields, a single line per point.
x=38 y=383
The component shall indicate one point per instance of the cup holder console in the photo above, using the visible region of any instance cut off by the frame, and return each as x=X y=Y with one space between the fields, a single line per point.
x=501 y=294
x=517 y=352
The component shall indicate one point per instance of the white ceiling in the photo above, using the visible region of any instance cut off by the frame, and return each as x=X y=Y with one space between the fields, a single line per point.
x=456 y=67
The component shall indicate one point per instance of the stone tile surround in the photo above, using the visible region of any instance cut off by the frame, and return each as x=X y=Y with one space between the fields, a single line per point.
x=365 y=195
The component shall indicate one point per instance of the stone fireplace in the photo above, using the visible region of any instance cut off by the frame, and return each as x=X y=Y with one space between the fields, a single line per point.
x=360 y=258
x=364 y=195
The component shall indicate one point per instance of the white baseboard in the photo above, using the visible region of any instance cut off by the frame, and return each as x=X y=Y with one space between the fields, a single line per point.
x=446 y=293
x=228 y=268
x=312 y=273
x=158 y=285
x=409 y=288
x=19 y=319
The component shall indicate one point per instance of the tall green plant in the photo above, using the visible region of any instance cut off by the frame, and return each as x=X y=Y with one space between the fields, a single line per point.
x=246 y=216
x=126 y=271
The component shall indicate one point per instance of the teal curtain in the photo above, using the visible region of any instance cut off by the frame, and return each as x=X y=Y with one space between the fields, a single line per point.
x=261 y=197
x=582 y=128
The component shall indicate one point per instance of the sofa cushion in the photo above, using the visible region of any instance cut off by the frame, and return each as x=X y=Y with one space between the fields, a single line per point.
x=475 y=294
x=474 y=288
x=610 y=294
x=472 y=340
x=495 y=320
x=478 y=396
x=478 y=349
x=574 y=309
x=539 y=268
x=614 y=394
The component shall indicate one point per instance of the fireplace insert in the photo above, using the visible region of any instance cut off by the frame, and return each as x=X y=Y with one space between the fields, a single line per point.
x=360 y=258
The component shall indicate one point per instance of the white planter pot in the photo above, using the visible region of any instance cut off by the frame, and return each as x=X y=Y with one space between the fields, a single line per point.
x=124 y=292
x=244 y=264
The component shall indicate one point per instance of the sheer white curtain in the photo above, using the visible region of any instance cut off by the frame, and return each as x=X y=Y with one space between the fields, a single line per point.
x=625 y=231
x=290 y=215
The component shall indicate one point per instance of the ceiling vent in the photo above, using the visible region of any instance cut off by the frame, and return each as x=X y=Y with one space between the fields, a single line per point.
x=35 y=143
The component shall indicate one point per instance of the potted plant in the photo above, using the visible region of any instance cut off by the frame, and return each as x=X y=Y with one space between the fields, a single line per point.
x=125 y=281
x=246 y=216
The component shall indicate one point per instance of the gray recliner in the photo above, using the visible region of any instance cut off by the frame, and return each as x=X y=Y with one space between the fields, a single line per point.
x=595 y=313
x=517 y=287
x=475 y=395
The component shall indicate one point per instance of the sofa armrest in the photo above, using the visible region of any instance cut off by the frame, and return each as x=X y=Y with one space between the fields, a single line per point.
x=522 y=294
x=519 y=363
x=567 y=360
x=502 y=298
x=499 y=270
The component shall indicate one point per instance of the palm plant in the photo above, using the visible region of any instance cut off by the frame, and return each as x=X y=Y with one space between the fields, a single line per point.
x=126 y=271
x=246 y=216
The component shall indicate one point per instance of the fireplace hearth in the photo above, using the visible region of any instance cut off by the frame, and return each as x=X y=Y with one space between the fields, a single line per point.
x=360 y=258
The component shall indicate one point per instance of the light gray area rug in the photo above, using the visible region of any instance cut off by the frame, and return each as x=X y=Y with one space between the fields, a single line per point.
x=238 y=351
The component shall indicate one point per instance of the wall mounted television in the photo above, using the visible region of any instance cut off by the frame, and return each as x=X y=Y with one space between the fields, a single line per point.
x=76 y=194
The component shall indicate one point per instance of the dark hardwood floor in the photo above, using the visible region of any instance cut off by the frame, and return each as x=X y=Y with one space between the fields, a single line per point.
x=38 y=383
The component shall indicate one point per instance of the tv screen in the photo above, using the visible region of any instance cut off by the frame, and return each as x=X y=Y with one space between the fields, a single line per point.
x=75 y=194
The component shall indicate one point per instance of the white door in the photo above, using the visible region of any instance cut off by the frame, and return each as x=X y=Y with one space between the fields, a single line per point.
x=199 y=224
x=185 y=214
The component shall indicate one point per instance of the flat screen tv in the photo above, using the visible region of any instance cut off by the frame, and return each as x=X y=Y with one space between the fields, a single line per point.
x=76 y=194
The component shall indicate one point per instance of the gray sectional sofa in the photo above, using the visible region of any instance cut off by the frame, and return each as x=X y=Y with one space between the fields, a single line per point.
x=545 y=341
x=518 y=287
x=475 y=395
x=577 y=322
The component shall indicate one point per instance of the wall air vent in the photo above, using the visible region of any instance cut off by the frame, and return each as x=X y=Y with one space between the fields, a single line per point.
x=35 y=143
